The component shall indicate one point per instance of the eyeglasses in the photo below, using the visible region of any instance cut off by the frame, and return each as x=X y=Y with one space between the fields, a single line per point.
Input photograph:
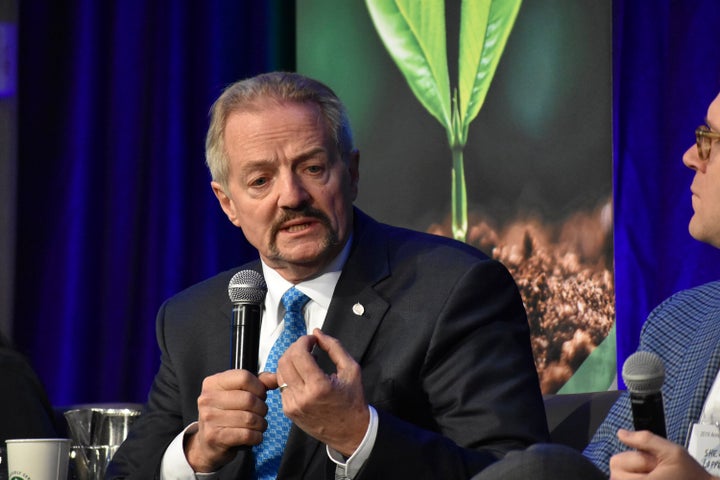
x=704 y=138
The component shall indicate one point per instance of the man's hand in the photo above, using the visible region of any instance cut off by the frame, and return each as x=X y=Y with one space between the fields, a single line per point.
x=655 y=459
x=330 y=408
x=231 y=413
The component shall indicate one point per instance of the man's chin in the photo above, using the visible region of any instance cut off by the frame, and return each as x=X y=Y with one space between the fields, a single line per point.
x=305 y=256
x=701 y=234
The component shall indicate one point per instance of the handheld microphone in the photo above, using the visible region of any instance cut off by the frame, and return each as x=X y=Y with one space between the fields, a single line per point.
x=644 y=374
x=247 y=291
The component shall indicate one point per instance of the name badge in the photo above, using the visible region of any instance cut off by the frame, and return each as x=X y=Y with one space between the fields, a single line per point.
x=704 y=446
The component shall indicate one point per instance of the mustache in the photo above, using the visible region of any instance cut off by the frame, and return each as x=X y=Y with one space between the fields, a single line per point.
x=302 y=212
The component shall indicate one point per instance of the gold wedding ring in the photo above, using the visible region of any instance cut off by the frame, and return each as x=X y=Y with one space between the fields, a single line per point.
x=282 y=387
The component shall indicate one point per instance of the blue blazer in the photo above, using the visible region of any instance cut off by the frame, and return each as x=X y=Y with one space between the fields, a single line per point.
x=443 y=344
x=685 y=332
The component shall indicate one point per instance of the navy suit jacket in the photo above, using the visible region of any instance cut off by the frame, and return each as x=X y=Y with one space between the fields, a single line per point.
x=683 y=331
x=443 y=344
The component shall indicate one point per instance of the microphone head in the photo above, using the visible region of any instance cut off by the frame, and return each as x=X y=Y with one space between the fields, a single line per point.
x=643 y=373
x=247 y=286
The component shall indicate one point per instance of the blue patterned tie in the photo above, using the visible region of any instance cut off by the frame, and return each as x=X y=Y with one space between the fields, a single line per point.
x=269 y=452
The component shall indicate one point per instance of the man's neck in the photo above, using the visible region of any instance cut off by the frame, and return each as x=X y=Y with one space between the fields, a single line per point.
x=296 y=274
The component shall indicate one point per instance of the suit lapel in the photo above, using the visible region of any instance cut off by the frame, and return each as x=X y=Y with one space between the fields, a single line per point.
x=357 y=309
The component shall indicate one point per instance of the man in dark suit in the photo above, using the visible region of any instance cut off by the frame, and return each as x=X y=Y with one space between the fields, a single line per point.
x=417 y=363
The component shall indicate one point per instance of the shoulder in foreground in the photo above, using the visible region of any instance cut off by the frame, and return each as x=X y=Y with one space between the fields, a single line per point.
x=432 y=242
x=685 y=308
x=707 y=295
x=369 y=228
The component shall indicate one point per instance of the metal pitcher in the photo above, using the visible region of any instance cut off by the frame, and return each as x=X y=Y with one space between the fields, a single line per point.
x=96 y=432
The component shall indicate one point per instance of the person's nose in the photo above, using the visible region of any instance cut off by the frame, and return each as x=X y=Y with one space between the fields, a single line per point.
x=293 y=192
x=691 y=158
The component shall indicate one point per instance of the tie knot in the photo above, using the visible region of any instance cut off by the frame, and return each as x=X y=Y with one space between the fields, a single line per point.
x=294 y=300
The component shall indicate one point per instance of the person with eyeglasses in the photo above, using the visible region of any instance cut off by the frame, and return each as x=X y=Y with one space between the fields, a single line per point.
x=684 y=331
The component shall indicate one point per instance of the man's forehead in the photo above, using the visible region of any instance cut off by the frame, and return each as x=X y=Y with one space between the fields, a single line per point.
x=271 y=115
x=264 y=103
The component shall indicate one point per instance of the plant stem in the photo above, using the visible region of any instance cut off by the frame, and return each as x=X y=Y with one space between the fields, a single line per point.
x=459 y=195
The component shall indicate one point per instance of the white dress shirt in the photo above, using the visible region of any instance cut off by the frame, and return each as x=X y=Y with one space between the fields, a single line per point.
x=320 y=290
x=711 y=410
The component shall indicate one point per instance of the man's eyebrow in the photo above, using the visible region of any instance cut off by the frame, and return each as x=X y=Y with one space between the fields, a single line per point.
x=256 y=164
x=263 y=163
x=310 y=153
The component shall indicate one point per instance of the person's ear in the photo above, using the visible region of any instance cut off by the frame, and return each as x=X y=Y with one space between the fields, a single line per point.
x=226 y=203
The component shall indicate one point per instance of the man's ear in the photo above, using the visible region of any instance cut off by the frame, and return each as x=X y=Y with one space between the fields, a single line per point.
x=226 y=203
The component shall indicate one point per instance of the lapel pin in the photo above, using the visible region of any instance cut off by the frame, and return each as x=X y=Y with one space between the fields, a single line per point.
x=358 y=309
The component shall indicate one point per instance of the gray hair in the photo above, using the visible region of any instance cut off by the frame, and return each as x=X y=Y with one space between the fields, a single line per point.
x=275 y=86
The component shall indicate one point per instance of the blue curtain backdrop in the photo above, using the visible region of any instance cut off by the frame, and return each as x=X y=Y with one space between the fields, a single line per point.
x=115 y=213
x=666 y=71
x=115 y=209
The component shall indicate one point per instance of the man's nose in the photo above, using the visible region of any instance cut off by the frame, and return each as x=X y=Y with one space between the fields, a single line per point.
x=293 y=192
x=691 y=158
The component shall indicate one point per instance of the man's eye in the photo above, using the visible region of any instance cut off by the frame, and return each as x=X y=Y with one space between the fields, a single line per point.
x=314 y=169
x=258 y=182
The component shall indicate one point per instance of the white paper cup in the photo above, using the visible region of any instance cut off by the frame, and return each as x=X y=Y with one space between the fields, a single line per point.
x=38 y=458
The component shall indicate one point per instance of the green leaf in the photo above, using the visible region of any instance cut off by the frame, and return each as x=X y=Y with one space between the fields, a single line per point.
x=599 y=370
x=414 y=34
x=485 y=26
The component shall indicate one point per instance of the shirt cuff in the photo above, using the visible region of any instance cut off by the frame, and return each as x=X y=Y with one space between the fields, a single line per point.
x=175 y=466
x=347 y=469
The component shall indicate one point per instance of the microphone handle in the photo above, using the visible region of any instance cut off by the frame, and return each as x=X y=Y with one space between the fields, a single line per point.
x=245 y=336
x=648 y=413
